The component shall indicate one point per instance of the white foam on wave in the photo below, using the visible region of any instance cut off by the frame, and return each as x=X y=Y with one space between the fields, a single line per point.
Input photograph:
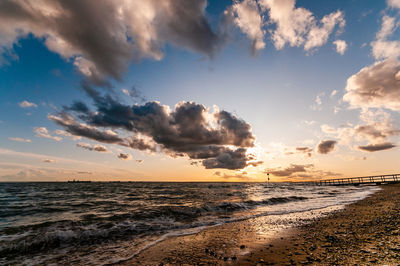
x=322 y=210
x=340 y=197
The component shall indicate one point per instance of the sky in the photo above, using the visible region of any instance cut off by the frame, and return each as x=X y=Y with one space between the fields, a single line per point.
x=195 y=90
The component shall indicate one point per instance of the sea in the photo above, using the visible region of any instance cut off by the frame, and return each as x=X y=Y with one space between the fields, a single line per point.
x=102 y=223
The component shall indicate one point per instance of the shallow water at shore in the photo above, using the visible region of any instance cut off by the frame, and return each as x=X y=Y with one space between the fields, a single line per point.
x=94 y=223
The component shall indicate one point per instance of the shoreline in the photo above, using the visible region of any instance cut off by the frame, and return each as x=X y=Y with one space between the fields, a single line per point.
x=339 y=237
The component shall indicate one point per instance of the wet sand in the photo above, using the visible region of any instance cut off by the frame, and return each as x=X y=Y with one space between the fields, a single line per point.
x=365 y=232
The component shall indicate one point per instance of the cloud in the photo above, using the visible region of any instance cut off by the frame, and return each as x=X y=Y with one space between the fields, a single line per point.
x=136 y=29
x=23 y=175
x=124 y=156
x=305 y=150
x=246 y=16
x=114 y=32
x=318 y=102
x=83 y=130
x=309 y=122
x=375 y=86
x=69 y=166
x=135 y=94
x=228 y=159
x=20 y=139
x=341 y=46
x=378 y=85
x=393 y=3
x=376 y=127
x=329 y=130
x=42 y=132
x=99 y=148
x=84 y=172
x=382 y=48
x=298 y=150
x=66 y=134
x=96 y=147
x=26 y=104
x=48 y=161
x=219 y=139
x=318 y=99
x=377 y=147
x=290 y=170
x=83 y=145
x=300 y=172
x=298 y=26
x=285 y=23
x=326 y=146
x=241 y=175
x=374 y=132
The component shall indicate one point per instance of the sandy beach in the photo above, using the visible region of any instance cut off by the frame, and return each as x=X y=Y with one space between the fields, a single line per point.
x=365 y=232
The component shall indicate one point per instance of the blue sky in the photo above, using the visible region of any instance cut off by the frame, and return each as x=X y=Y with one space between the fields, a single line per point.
x=287 y=95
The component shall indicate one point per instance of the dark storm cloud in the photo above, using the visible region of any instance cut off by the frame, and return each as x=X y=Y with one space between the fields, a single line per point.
x=326 y=146
x=220 y=139
x=140 y=144
x=78 y=106
x=188 y=27
x=229 y=159
x=102 y=37
x=238 y=130
x=78 y=129
x=377 y=147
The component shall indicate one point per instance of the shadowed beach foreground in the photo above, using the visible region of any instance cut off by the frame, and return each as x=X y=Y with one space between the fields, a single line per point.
x=365 y=232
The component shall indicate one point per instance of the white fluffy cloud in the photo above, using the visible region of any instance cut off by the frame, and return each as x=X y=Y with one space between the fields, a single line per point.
x=393 y=3
x=26 y=104
x=286 y=23
x=42 y=132
x=246 y=15
x=19 y=139
x=298 y=26
x=377 y=85
x=382 y=47
x=341 y=46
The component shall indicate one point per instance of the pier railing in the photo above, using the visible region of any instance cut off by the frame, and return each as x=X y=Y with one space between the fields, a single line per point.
x=355 y=181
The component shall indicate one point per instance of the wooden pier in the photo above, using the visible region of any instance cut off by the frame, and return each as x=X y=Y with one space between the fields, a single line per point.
x=356 y=181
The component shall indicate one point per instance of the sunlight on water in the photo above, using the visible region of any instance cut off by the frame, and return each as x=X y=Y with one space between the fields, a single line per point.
x=96 y=222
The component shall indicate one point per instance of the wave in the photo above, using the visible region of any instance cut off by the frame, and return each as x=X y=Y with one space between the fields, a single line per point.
x=139 y=213
x=92 y=229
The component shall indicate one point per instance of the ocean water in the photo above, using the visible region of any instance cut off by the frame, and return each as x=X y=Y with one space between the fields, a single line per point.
x=99 y=223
